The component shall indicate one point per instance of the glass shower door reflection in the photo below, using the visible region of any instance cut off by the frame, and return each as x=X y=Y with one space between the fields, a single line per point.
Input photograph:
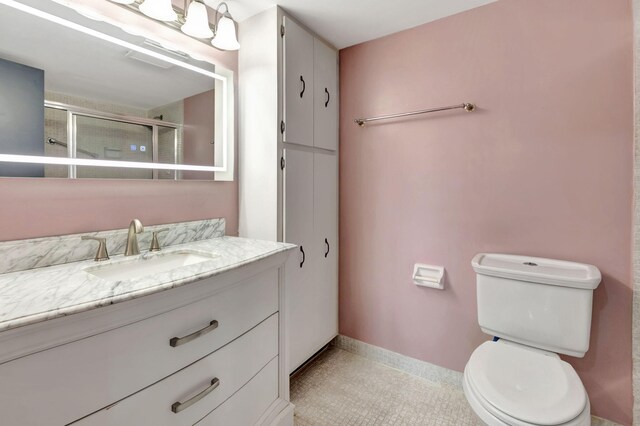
x=105 y=139
x=169 y=152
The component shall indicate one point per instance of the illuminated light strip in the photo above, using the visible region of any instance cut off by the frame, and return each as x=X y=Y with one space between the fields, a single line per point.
x=224 y=125
x=34 y=159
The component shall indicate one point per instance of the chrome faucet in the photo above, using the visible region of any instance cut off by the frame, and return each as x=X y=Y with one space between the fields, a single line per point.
x=135 y=227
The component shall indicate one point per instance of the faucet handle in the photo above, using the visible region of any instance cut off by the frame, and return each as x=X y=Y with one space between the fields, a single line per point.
x=102 y=253
x=155 y=245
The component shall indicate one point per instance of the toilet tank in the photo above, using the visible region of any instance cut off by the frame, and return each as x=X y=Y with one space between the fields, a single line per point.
x=538 y=302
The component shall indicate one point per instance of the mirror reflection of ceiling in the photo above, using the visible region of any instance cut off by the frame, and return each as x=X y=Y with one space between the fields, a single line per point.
x=87 y=67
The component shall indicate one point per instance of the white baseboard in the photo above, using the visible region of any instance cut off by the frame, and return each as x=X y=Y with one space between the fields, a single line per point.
x=436 y=374
x=597 y=421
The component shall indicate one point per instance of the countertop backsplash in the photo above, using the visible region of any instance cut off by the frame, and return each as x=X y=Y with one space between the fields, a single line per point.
x=21 y=255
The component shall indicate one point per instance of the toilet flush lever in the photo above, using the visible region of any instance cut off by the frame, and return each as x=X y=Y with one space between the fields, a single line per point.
x=155 y=244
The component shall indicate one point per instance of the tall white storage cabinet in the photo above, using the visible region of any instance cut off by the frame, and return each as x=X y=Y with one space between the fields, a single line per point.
x=288 y=171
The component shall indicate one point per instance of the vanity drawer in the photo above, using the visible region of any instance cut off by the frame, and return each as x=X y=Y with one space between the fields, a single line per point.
x=247 y=405
x=62 y=384
x=199 y=388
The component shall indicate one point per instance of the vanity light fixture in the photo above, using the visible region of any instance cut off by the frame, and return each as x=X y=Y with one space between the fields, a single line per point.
x=225 y=30
x=197 y=25
x=197 y=21
x=194 y=22
x=159 y=9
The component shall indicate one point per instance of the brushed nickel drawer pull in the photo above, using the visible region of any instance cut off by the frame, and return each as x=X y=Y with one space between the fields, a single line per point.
x=176 y=407
x=177 y=341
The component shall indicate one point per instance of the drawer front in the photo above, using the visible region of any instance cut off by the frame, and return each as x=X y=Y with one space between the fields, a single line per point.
x=247 y=405
x=62 y=384
x=201 y=387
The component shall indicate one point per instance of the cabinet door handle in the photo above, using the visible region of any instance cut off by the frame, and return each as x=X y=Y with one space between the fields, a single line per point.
x=326 y=104
x=304 y=86
x=177 y=341
x=304 y=256
x=176 y=407
x=326 y=253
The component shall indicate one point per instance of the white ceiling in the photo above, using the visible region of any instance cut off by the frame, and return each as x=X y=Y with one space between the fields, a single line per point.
x=344 y=23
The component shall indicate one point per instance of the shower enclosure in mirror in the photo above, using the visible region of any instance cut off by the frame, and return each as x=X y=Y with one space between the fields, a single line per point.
x=83 y=133
x=85 y=99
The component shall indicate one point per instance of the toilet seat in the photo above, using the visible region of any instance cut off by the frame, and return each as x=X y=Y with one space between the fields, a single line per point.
x=494 y=417
x=518 y=385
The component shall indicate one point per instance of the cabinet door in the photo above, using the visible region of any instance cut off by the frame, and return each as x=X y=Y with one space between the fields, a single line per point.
x=325 y=193
x=298 y=218
x=298 y=84
x=325 y=124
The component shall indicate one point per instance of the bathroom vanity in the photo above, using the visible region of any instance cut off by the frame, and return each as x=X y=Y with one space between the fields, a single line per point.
x=198 y=340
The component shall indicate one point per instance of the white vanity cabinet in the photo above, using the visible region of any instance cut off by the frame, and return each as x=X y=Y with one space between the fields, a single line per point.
x=191 y=394
x=288 y=83
x=210 y=352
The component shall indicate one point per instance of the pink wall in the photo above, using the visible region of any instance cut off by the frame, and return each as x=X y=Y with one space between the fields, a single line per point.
x=543 y=168
x=35 y=207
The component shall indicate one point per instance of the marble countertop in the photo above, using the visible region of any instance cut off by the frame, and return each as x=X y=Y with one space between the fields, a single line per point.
x=35 y=295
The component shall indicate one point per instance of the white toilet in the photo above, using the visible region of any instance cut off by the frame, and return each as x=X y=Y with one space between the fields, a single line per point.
x=537 y=308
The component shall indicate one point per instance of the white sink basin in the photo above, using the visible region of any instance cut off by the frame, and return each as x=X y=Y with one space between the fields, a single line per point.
x=141 y=266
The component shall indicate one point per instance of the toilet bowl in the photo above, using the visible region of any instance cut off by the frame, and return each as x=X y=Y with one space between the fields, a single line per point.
x=508 y=384
x=536 y=308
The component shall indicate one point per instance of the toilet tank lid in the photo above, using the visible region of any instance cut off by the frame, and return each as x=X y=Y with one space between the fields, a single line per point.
x=537 y=270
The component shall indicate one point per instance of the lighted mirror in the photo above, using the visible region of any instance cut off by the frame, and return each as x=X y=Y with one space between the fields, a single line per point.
x=80 y=98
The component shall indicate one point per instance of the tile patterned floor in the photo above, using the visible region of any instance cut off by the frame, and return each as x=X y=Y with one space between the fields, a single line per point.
x=344 y=389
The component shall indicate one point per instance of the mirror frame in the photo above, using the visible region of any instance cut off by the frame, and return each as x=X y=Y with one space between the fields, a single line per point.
x=222 y=90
